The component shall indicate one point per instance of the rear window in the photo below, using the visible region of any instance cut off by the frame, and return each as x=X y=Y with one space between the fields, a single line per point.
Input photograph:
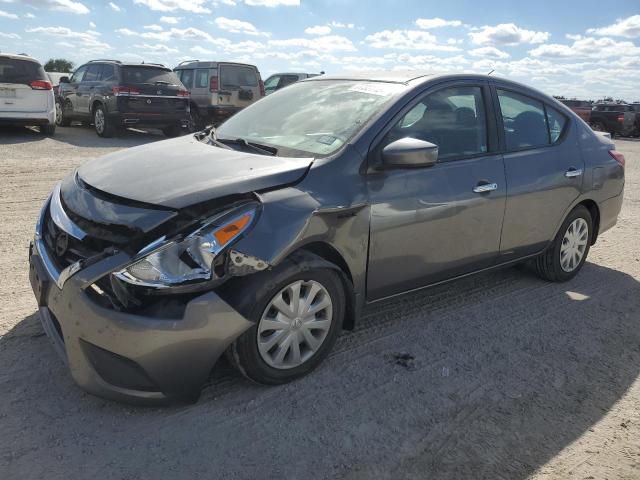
x=238 y=76
x=14 y=70
x=148 y=75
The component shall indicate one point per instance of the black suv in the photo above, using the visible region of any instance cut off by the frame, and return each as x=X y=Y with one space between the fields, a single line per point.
x=615 y=118
x=111 y=95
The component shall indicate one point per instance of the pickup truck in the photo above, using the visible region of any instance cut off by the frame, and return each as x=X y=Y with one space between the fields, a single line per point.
x=615 y=118
x=582 y=108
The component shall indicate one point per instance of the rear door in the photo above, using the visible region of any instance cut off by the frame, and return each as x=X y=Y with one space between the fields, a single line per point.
x=86 y=87
x=20 y=91
x=69 y=91
x=154 y=91
x=201 y=91
x=544 y=171
x=239 y=85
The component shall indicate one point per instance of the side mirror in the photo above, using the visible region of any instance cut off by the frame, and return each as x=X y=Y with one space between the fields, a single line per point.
x=410 y=152
x=64 y=80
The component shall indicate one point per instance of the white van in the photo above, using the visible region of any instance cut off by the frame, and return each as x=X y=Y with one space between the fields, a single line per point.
x=26 y=94
x=219 y=89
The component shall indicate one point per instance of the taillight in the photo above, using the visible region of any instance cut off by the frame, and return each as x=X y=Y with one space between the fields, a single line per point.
x=213 y=84
x=617 y=156
x=621 y=117
x=40 y=85
x=122 y=90
x=261 y=83
x=183 y=93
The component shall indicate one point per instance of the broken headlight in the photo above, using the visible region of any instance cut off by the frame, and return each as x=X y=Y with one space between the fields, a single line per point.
x=191 y=258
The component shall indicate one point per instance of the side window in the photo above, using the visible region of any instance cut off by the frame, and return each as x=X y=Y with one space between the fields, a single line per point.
x=454 y=119
x=287 y=80
x=272 y=83
x=108 y=73
x=557 y=122
x=186 y=77
x=78 y=74
x=524 y=121
x=93 y=73
x=202 y=78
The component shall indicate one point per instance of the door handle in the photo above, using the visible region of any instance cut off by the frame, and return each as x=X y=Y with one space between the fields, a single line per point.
x=485 y=187
x=573 y=172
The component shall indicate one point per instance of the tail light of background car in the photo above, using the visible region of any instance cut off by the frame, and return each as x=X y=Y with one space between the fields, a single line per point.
x=40 y=85
x=183 y=93
x=617 y=156
x=261 y=83
x=213 y=84
x=621 y=117
x=121 y=90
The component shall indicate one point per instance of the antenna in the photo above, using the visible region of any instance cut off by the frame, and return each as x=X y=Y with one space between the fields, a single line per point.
x=491 y=72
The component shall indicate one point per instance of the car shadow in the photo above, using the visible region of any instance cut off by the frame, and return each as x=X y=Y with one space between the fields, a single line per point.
x=80 y=136
x=488 y=377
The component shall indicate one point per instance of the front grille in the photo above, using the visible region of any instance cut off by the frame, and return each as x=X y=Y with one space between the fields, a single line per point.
x=75 y=249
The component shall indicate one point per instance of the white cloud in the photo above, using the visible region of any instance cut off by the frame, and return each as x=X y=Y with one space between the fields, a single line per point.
x=8 y=15
x=436 y=22
x=273 y=3
x=88 y=40
x=488 y=52
x=171 y=20
x=237 y=26
x=318 y=30
x=92 y=25
x=69 y=6
x=189 y=33
x=153 y=28
x=115 y=7
x=328 y=43
x=588 y=47
x=506 y=34
x=29 y=15
x=195 y=6
x=198 y=50
x=624 y=27
x=335 y=24
x=13 y=36
x=158 y=48
x=407 y=39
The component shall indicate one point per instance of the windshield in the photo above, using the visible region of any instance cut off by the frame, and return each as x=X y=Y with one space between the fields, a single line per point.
x=314 y=118
x=149 y=75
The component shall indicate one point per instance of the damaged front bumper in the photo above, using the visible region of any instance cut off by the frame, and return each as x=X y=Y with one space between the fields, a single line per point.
x=124 y=356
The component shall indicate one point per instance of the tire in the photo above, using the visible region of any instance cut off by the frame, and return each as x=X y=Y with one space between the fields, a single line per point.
x=598 y=127
x=103 y=126
x=196 y=122
x=62 y=120
x=549 y=265
x=48 y=129
x=172 y=131
x=254 y=299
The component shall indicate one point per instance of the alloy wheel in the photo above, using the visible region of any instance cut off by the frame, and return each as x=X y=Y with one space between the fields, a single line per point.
x=574 y=244
x=58 y=113
x=295 y=324
x=98 y=120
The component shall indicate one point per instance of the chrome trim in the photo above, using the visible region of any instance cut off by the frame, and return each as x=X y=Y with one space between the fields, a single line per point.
x=142 y=95
x=61 y=219
x=487 y=187
x=573 y=173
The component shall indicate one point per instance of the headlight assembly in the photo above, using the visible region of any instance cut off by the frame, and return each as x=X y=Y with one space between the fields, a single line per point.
x=191 y=258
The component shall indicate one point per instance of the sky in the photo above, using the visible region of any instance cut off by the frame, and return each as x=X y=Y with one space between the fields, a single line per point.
x=584 y=49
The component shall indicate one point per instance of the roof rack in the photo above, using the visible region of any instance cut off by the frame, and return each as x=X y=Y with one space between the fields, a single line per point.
x=104 y=60
x=188 y=61
x=157 y=64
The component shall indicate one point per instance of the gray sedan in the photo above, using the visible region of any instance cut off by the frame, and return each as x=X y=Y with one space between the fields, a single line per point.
x=266 y=237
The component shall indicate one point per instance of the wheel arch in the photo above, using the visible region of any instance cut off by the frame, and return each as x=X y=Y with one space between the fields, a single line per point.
x=594 y=210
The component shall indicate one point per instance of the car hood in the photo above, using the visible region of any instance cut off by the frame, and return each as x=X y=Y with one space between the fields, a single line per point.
x=184 y=171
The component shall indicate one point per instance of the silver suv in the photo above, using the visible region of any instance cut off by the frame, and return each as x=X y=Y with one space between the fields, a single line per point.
x=219 y=89
x=281 y=80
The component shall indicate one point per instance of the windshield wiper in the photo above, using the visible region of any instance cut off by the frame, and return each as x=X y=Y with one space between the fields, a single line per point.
x=256 y=147
x=211 y=136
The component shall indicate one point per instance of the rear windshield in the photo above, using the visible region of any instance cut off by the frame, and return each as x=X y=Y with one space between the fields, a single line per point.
x=237 y=76
x=14 y=70
x=149 y=75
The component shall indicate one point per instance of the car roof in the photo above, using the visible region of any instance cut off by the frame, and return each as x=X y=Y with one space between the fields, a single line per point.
x=209 y=64
x=19 y=56
x=378 y=76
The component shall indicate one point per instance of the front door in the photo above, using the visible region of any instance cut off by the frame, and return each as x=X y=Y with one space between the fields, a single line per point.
x=431 y=224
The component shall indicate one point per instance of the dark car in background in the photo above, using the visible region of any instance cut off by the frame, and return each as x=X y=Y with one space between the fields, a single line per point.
x=615 y=118
x=219 y=89
x=582 y=108
x=281 y=80
x=267 y=236
x=114 y=95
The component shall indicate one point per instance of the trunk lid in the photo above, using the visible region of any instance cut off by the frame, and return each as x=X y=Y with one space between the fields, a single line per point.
x=238 y=85
x=151 y=90
x=16 y=94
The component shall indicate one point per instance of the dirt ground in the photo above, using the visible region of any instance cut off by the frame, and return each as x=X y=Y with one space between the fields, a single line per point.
x=497 y=376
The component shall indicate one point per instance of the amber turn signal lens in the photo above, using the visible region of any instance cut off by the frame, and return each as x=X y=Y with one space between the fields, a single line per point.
x=229 y=231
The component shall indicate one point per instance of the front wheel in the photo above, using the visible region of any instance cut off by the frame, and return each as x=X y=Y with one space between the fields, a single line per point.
x=568 y=252
x=102 y=124
x=172 y=131
x=298 y=309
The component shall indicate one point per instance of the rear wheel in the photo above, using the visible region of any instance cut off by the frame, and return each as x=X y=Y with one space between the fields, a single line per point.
x=48 y=129
x=62 y=119
x=298 y=309
x=102 y=124
x=568 y=252
x=598 y=127
x=196 y=122
x=172 y=131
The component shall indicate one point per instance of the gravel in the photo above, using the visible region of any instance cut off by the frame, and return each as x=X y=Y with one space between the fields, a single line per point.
x=501 y=375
